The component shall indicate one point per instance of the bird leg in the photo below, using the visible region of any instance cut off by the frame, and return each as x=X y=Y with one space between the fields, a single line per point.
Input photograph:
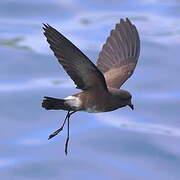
x=61 y=128
x=67 y=140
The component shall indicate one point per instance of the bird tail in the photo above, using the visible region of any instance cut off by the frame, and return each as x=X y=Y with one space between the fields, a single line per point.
x=53 y=103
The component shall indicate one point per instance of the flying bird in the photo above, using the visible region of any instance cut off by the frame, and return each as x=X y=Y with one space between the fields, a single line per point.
x=99 y=83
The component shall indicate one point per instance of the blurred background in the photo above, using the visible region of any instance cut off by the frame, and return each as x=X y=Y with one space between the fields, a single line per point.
x=124 y=144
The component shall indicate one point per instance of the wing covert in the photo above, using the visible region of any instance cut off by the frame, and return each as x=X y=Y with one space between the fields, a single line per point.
x=119 y=54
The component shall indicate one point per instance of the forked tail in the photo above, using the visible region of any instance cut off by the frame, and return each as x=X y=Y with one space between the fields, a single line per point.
x=53 y=103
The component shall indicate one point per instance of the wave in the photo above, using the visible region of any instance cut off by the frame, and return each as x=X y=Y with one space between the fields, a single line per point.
x=132 y=125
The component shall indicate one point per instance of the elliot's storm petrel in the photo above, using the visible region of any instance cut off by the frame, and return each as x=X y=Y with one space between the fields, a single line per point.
x=99 y=84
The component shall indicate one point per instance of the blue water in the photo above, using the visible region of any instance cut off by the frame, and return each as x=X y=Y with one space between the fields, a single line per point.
x=124 y=144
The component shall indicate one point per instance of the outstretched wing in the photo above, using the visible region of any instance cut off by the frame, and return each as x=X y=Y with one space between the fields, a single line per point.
x=81 y=70
x=119 y=54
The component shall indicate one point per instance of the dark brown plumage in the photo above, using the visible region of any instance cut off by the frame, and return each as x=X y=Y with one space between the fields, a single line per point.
x=82 y=71
x=120 y=54
x=101 y=83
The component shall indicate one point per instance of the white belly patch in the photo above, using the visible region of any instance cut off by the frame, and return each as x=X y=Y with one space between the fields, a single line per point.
x=73 y=101
x=92 y=110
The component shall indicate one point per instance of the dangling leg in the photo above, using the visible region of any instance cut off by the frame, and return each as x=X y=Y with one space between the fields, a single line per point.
x=60 y=129
x=67 y=140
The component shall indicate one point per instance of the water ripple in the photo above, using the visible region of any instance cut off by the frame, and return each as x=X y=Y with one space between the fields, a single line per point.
x=131 y=124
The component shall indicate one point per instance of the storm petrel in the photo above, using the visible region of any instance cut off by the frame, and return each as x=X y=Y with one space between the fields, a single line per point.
x=99 y=84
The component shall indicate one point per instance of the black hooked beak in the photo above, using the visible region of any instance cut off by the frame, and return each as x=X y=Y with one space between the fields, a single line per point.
x=131 y=106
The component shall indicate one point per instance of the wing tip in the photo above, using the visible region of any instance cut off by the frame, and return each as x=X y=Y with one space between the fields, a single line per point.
x=126 y=20
x=46 y=26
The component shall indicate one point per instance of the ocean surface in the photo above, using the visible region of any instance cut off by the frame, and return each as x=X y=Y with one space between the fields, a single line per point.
x=143 y=144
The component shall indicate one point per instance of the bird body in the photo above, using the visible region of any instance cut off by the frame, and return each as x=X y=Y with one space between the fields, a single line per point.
x=99 y=84
x=92 y=102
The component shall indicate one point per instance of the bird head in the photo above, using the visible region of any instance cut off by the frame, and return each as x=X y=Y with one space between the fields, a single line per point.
x=125 y=98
